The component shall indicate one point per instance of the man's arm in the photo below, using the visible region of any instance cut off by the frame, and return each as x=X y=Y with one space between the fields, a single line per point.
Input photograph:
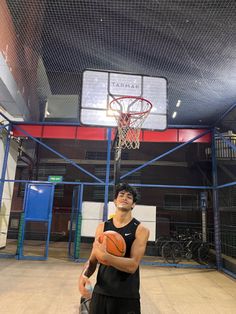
x=89 y=268
x=126 y=264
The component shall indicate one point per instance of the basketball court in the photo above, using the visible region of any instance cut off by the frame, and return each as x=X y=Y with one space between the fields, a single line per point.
x=96 y=93
x=51 y=288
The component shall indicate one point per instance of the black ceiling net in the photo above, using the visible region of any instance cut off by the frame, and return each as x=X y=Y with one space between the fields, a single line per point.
x=191 y=43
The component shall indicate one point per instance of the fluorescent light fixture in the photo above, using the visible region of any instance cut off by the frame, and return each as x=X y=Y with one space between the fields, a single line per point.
x=178 y=103
x=174 y=114
x=47 y=112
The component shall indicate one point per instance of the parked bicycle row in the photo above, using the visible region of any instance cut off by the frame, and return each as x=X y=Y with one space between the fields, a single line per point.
x=183 y=246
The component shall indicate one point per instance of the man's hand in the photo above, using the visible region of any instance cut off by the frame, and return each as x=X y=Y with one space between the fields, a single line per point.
x=84 y=284
x=100 y=250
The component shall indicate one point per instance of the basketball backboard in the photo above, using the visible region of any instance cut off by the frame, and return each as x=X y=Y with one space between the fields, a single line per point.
x=99 y=88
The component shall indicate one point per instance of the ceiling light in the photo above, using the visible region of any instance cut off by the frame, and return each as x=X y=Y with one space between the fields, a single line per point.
x=174 y=114
x=178 y=103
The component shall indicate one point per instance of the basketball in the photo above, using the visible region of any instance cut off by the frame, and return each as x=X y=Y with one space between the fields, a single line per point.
x=115 y=242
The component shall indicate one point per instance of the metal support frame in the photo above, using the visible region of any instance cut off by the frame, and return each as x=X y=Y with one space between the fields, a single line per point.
x=223 y=115
x=107 y=183
x=76 y=215
x=59 y=154
x=165 y=154
x=215 y=198
x=4 y=126
x=233 y=147
x=216 y=204
x=21 y=255
x=108 y=166
x=226 y=141
x=5 y=159
x=73 y=213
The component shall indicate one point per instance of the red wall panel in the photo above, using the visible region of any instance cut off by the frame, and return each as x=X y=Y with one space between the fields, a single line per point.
x=33 y=130
x=187 y=134
x=59 y=131
x=100 y=134
x=164 y=136
x=87 y=133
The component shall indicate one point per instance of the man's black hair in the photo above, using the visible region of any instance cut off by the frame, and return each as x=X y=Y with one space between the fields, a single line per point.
x=126 y=187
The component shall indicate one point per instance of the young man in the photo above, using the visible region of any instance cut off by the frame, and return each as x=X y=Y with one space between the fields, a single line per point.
x=117 y=287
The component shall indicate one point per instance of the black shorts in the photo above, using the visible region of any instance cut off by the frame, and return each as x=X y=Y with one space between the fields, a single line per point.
x=102 y=304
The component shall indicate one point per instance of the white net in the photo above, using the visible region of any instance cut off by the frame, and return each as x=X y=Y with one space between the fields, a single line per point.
x=130 y=114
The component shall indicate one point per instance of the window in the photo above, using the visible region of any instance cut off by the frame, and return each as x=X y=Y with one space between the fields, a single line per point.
x=181 y=201
x=100 y=172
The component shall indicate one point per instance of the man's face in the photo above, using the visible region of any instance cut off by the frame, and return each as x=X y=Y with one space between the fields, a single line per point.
x=124 y=201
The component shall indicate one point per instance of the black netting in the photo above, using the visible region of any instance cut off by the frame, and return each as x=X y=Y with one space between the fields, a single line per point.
x=191 y=43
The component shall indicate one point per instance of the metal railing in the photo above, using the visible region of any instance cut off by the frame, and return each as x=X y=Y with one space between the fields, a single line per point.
x=223 y=150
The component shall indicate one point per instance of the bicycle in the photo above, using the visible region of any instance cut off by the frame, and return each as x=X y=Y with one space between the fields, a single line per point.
x=172 y=252
x=185 y=247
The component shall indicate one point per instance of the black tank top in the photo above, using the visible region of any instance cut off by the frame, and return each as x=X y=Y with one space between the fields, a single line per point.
x=113 y=282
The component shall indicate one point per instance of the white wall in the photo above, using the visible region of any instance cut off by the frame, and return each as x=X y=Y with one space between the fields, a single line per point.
x=144 y=213
x=8 y=187
x=92 y=213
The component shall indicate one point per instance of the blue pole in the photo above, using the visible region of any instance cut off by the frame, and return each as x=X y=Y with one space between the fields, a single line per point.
x=165 y=154
x=105 y=209
x=49 y=219
x=81 y=192
x=200 y=187
x=77 y=239
x=215 y=199
x=4 y=166
x=71 y=220
x=188 y=126
x=226 y=185
x=222 y=116
x=4 y=126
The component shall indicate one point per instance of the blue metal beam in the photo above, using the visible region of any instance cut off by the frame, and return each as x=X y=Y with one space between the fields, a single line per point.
x=47 y=123
x=59 y=154
x=198 y=187
x=4 y=166
x=4 y=126
x=165 y=154
x=215 y=198
x=226 y=185
x=187 y=126
x=57 y=183
x=222 y=116
x=105 y=208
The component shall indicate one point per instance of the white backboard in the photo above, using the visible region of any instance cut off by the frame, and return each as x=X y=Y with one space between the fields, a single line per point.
x=99 y=88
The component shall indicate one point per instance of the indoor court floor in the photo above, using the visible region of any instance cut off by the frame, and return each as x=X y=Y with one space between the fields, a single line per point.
x=48 y=287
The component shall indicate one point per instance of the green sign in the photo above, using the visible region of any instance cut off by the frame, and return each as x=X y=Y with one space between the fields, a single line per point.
x=55 y=178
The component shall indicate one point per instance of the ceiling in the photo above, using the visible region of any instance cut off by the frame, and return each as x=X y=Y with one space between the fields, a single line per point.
x=190 y=42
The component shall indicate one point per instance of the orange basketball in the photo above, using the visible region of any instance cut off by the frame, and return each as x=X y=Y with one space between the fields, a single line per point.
x=115 y=242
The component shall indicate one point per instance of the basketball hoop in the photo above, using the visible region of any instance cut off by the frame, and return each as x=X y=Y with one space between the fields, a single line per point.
x=130 y=113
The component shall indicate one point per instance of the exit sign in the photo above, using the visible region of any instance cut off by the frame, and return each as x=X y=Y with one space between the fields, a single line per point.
x=55 y=178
